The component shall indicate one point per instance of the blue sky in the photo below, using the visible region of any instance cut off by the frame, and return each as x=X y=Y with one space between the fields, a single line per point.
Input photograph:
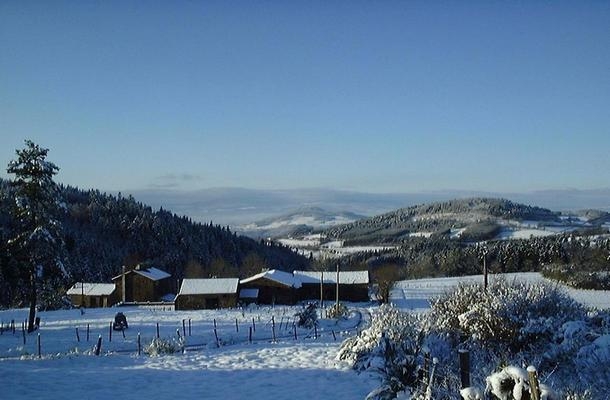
x=370 y=96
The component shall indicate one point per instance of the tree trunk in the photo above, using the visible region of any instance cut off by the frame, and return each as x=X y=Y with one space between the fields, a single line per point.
x=32 y=314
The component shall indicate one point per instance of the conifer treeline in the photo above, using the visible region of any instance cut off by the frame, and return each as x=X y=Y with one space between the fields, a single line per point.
x=103 y=232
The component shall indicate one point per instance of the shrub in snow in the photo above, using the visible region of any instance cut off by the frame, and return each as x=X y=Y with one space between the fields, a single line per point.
x=338 y=311
x=391 y=345
x=308 y=317
x=160 y=346
x=513 y=315
x=512 y=383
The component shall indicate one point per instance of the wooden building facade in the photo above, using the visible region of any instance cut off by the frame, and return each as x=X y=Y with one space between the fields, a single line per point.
x=143 y=285
x=274 y=287
x=93 y=295
x=199 y=294
x=353 y=285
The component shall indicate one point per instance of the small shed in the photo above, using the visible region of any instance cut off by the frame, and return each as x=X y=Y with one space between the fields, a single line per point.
x=198 y=294
x=93 y=295
x=274 y=286
x=143 y=284
x=353 y=285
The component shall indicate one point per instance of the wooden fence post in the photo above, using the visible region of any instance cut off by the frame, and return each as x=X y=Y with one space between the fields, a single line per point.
x=236 y=326
x=464 y=367
x=110 y=333
x=98 y=348
x=39 y=347
x=139 y=344
x=315 y=331
x=216 y=336
x=534 y=384
x=294 y=328
x=23 y=332
x=184 y=328
x=87 y=332
x=189 y=327
x=273 y=327
x=250 y=335
x=77 y=335
x=253 y=325
x=157 y=330
x=426 y=371
x=431 y=378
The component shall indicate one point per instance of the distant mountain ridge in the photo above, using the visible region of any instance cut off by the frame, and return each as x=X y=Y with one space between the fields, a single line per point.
x=303 y=221
x=239 y=206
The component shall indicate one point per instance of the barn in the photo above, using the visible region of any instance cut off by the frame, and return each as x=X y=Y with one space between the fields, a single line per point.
x=274 y=286
x=199 y=294
x=353 y=285
x=93 y=295
x=143 y=284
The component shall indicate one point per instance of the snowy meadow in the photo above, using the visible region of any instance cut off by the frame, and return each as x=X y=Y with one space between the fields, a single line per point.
x=261 y=352
x=223 y=354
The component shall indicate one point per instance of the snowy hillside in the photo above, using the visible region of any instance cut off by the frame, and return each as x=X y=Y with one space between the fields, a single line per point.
x=470 y=220
x=302 y=221
x=415 y=294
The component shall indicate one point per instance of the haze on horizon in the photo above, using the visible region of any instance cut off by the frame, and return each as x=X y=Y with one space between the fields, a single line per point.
x=391 y=97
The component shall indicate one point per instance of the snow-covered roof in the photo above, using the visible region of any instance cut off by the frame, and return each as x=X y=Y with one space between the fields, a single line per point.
x=92 y=289
x=330 y=277
x=152 y=273
x=275 y=275
x=209 y=286
x=248 y=293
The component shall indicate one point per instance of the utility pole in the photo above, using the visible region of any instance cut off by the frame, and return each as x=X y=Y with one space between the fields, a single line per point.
x=321 y=290
x=337 y=303
x=485 y=267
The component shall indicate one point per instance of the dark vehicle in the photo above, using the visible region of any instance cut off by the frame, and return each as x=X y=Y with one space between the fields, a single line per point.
x=120 y=322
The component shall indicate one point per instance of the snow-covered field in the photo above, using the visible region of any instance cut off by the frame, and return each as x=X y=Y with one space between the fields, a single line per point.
x=415 y=294
x=286 y=368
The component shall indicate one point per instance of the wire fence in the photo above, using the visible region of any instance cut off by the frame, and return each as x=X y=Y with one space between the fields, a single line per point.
x=195 y=336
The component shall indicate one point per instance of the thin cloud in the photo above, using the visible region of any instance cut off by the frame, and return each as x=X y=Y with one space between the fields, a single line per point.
x=173 y=181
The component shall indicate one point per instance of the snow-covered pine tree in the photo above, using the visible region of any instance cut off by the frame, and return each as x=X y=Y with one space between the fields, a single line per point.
x=37 y=241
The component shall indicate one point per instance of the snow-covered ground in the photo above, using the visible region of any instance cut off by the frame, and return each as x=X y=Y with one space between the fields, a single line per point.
x=304 y=368
x=286 y=368
x=415 y=294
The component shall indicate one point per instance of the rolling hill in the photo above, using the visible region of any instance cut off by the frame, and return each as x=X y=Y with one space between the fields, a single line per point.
x=470 y=219
x=303 y=221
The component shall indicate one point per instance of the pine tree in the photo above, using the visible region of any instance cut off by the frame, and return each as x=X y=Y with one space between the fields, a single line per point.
x=37 y=242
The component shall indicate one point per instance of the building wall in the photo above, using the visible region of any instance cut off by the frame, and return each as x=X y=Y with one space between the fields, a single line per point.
x=141 y=289
x=270 y=292
x=94 y=301
x=202 y=301
x=354 y=293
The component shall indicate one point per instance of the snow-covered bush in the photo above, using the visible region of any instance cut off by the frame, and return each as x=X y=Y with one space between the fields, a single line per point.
x=161 y=346
x=509 y=315
x=338 y=311
x=308 y=317
x=391 y=346
x=513 y=383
